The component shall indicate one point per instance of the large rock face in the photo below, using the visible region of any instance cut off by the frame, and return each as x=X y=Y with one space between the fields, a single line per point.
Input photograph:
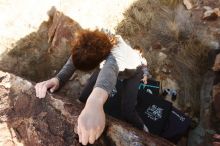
x=40 y=54
x=51 y=121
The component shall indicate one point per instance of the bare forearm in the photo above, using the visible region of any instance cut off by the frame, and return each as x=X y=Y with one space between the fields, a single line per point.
x=104 y=84
x=97 y=97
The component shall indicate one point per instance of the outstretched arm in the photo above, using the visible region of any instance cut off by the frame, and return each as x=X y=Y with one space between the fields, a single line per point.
x=66 y=72
x=91 y=121
x=55 y=82
x=146 y=73
x=107 y=77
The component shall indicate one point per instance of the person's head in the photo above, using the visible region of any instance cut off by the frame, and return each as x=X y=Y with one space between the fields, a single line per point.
x=89 y=49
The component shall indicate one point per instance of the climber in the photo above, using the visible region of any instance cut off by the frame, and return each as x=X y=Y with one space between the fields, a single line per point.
x=116 y=60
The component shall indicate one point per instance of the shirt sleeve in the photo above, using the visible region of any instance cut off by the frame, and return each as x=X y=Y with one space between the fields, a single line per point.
x=107 y=77
x=66 y=72
x=145 y=70
x=144 y=66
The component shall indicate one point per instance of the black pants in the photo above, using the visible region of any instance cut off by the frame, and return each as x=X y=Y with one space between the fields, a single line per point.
x=122 y=104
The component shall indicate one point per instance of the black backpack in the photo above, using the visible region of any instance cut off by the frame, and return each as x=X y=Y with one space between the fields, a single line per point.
x=158 y=114
x=153 y=110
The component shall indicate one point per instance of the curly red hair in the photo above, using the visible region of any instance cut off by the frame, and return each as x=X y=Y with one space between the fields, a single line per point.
x=90 y=48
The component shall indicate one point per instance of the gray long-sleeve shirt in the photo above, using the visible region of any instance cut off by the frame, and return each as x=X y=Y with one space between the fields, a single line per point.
x=106 y=79
x=66 y=72
x=121 y=62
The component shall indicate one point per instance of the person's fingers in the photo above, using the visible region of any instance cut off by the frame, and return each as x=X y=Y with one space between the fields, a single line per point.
x=85 y=136
x=98 y=134
x=52 y=85
x=144 y=81
x=37 y=90
x=216 y=143
x=217 y=136
x=92 y=136
x=40 y=90
x=53 y=89
x=43 y=91
x=79 y=134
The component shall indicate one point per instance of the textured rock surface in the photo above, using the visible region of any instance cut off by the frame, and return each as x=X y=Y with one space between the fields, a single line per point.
x=39 y=55
x=51 y=121
x=216 y=98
